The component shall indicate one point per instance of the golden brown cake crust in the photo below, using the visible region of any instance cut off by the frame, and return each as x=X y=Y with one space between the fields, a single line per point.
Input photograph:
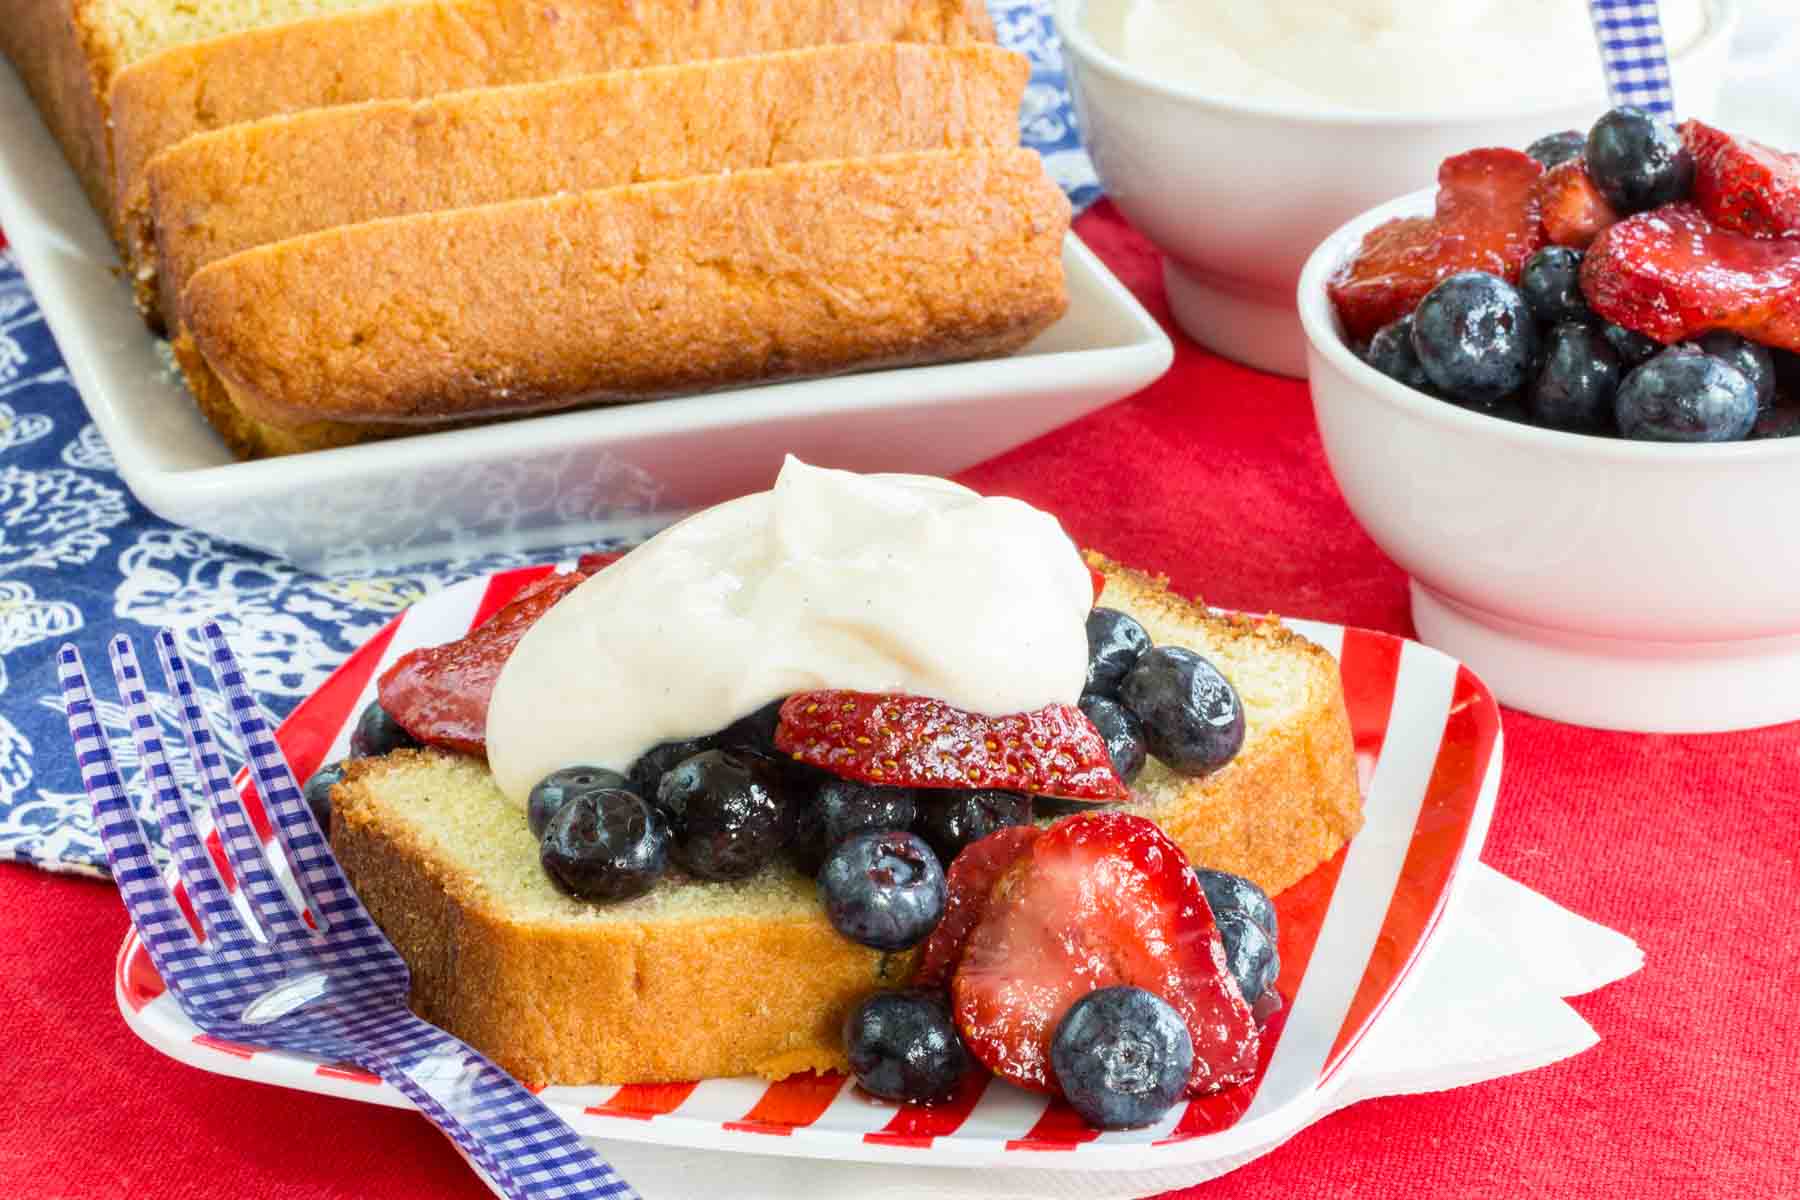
x=66 y=65
x=249 y=185
x=641 y=1001
x=639 y=291
x=409 y=51
x=248 y=438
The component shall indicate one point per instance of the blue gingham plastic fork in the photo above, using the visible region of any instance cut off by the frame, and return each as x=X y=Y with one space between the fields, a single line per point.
x=337 y=991
x=1633 y=53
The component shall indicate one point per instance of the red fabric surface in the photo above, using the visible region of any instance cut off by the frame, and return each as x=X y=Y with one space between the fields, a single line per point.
x=1215 y=476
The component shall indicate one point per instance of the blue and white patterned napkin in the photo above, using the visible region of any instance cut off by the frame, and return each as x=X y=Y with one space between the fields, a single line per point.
x=1047 y=121
x=80 y=558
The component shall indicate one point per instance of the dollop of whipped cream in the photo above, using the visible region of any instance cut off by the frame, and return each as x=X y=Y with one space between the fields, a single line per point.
x=878 y=583
x=1373 y=55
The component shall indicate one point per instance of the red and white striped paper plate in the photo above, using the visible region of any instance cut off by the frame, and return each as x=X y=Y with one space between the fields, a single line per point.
x=1428 y=747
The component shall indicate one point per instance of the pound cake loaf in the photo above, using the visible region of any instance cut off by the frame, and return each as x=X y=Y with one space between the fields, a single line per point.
x=638 y=291
x=697 y=980
x=414 y=50
x=248 y=185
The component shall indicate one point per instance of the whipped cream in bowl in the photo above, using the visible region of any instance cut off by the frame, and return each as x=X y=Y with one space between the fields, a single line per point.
x=1237 y=136
x=1412 y=56
x=878 y=583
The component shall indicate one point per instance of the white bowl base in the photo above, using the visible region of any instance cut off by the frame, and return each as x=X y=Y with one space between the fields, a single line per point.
x=1615 y=683
x=1259 y=331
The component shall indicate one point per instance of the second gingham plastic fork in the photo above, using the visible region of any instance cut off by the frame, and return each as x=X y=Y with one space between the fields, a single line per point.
x=325 y=981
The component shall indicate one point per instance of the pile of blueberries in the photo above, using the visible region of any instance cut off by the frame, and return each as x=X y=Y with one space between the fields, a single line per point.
x=1537 y=354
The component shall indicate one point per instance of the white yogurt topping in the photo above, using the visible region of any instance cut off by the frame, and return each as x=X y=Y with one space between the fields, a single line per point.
x=880 y=583
x=1375 y=55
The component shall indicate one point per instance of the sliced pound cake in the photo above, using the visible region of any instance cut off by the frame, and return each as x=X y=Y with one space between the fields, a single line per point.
x=414 y=50
x=696 y=980
x=638 y=291
x=248 y=185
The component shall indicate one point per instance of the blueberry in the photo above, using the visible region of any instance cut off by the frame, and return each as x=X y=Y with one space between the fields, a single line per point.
x=1250 y=954
x=1682 y=395
x=1754 y=361
x=1122 y=1057
x=1123 y=733
x=1193 y=719
x=1637 y=161
x=753 y=732
x=841 y=807
x=1391 y=352
x=728 y=811
x=1510 y=407
x=1781 y=421
x=1114 y=643
x=1475 y=337
x=318 y=792
x=555 y=789
x=950 y=819
x=1550 y=281
x=605 y=844
x=1228 y=893
x=647 y=772
x=903 y=1046
x=883 y=888
x=1575 y=387
x=1631 y=346
x=1554 y=149
x=377 y=733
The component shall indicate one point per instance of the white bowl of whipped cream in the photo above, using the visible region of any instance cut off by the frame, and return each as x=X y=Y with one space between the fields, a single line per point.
x=1237 y=136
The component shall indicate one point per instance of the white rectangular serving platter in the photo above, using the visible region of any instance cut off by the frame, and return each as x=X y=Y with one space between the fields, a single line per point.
x=548 y=481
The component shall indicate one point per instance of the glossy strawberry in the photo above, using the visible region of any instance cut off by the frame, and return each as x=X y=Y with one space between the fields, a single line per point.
x=1101 y=899
x=913 y=741
x=1486 y=220
x=440 y=694
x=1099 y=582
x=1573 y=210
x=1671 y=274
x=1742 y=185
x=971 y=878
x=588 y=564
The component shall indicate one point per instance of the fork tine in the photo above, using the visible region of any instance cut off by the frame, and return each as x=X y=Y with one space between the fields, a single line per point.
x=198 y=876
x=269 y=904
x=165 y=931
x=307 y=849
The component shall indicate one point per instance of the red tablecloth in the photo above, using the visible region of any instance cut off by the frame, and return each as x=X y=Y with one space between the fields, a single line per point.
x=1215 y=476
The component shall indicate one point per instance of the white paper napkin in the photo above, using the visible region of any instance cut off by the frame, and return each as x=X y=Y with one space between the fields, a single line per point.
x=1488 y=1002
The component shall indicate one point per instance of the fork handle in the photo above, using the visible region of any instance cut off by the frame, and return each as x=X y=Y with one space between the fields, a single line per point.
x=528 y=1151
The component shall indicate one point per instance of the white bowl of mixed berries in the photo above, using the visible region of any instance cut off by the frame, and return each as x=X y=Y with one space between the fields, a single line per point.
x=1561 y=391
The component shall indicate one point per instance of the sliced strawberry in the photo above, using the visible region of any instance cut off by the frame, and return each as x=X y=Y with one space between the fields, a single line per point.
x=1099 y=583
x=588 y=564
x=1102 y=899
x=1486 y=220
x=440 y=694
x=1671 y=274
x=971 y=880
x=1742 y=185
x=914 y=741
x=1574 y=211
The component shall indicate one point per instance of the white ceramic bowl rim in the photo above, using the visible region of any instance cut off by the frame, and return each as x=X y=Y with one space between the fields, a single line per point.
x=1721 y=18
x=1319 y=320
